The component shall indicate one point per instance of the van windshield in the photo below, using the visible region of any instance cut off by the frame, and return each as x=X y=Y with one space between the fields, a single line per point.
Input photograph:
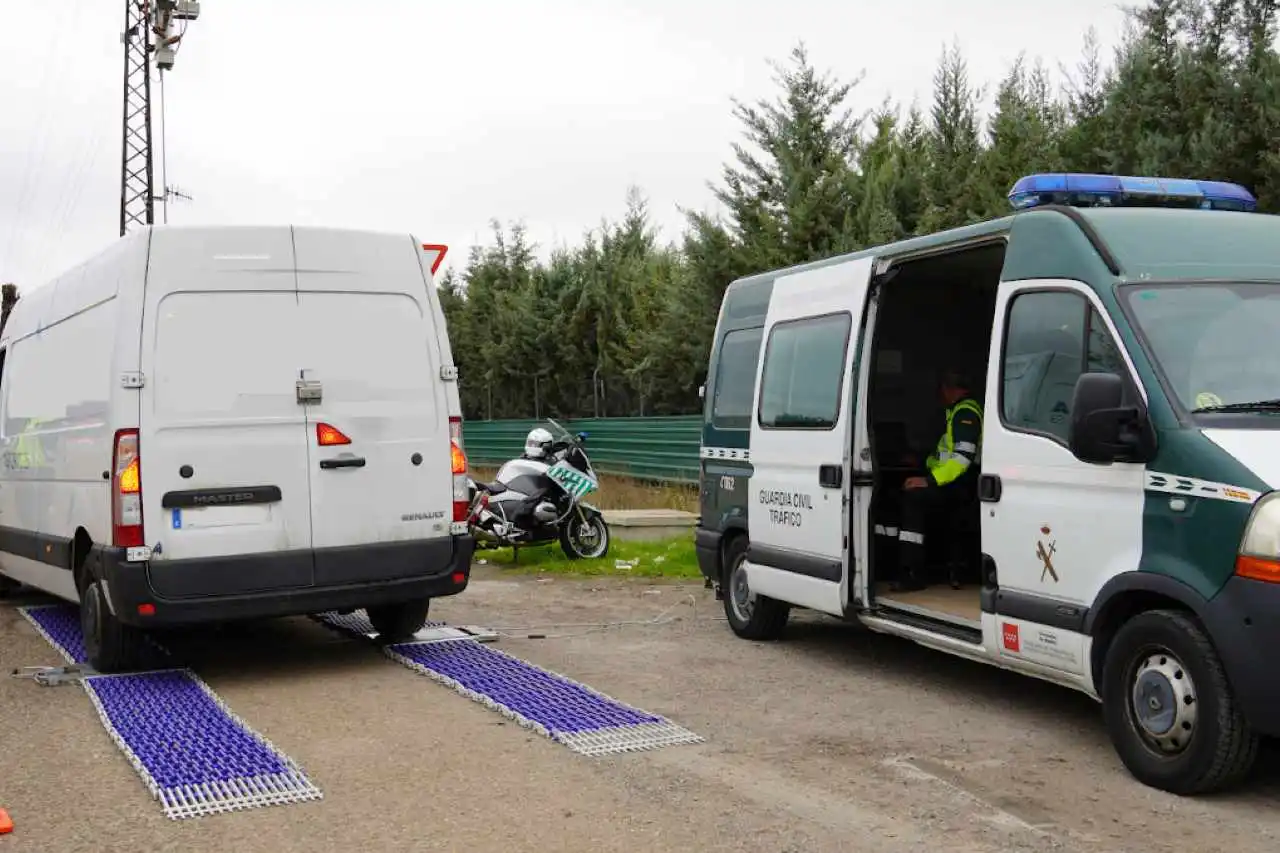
x=1214 y=342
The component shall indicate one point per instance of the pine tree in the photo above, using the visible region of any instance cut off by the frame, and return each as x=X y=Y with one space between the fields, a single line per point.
x=792 y=196
x=1024 y=131
x=952 y=191
x=1193 y=91
x=8 y=299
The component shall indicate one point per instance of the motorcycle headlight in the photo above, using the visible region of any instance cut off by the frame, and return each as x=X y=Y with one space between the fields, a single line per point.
x=1259 y=557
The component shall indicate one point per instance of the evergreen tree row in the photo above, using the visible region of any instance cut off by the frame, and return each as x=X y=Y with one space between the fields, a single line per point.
x=621 y=325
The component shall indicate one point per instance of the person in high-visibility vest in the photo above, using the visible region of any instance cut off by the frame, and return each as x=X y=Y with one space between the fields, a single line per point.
x=946 y=482
x=30 y=448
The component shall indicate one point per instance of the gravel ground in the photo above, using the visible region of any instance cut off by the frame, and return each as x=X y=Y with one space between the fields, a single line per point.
x=833 y=739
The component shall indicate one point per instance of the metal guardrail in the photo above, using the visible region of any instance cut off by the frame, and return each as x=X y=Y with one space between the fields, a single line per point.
x=664 y=449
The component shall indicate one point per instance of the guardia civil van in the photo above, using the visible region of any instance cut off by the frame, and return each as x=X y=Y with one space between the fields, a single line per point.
x=1124 y=533
x=207 y=424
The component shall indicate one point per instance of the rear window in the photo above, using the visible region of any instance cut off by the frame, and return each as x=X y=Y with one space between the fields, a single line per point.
x=735 y=388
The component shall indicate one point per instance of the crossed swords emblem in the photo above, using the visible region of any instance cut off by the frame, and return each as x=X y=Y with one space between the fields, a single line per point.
x=1045 y=553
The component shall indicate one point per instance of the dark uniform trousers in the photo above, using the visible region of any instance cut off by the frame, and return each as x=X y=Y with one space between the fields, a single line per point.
x=950 y=475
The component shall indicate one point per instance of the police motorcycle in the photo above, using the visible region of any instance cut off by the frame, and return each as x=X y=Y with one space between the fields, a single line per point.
x=538 y=498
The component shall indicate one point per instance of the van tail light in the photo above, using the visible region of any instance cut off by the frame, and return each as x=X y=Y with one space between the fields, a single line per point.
x=126 y=491
x=328 y=435
x=458 y=460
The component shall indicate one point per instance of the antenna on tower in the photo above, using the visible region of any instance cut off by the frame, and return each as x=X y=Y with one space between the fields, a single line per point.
x=148 y=35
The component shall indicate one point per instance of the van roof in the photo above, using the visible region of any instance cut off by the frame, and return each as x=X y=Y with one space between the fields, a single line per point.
x=1182 y=244
x=207 y=247
x=1144 y=242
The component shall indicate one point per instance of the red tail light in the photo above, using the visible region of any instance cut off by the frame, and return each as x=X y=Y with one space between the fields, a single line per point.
x=126 y=491
x=458 y=459
x=330 y=436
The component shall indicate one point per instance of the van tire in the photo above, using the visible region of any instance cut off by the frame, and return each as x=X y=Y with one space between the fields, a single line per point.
x=1170 y=646
x=8 y=587
x=395 y=622
x=764 y=618
x=110 y=646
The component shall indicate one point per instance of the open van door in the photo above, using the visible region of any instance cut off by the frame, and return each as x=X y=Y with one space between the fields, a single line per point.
x=801 y=437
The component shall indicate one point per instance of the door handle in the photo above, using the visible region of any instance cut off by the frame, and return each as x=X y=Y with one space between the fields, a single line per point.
x=830 y=476
x=343 y=462
x=989 y=488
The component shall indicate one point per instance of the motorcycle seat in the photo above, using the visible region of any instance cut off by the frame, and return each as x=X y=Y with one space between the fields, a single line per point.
x=492 y=488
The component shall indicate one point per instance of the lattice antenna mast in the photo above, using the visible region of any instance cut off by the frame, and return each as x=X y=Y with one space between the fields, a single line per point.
x=148 y=30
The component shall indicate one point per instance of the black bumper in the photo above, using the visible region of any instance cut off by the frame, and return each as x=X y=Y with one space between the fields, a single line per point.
x=342 y=579
x=706 y=544
x=1244 y=623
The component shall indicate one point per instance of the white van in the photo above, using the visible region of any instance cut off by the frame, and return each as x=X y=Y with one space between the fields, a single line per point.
x=207 y=424
x=1121 y=528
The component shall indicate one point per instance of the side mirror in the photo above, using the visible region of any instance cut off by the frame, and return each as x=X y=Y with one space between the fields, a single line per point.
x=1103 y=429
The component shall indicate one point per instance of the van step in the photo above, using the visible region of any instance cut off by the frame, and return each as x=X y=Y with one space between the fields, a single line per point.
x=585 y=720
x=194 y=755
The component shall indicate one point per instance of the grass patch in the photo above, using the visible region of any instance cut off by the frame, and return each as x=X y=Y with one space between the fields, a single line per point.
x=627 y=493
x=671 y=558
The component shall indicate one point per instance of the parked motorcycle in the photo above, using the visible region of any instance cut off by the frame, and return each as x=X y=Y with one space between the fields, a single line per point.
x=537 y=498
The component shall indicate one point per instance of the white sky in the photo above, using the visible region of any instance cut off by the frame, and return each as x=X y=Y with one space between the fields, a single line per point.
x=434 y=118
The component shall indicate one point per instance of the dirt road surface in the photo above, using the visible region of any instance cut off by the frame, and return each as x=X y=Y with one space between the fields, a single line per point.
x=833 y=739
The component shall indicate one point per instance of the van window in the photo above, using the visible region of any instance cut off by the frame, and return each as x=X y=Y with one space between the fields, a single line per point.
x=736 y=379
x=803 y=372
x=1212 y=341
x=53 y=385
x=1051 y=338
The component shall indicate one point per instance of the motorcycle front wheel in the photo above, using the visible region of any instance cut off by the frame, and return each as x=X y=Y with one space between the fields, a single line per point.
x=585 y=536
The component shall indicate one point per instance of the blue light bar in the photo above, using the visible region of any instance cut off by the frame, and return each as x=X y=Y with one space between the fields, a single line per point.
x=1077 y=190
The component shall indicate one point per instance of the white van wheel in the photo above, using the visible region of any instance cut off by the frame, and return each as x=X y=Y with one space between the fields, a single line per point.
x=401 y=621
x=8 y=587
x=751 y=616
x=1169 y=708
x=109 y=645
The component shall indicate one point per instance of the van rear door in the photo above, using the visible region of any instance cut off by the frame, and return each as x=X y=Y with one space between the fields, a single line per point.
x=379 y=453
x=801 y=437
x=223 y=439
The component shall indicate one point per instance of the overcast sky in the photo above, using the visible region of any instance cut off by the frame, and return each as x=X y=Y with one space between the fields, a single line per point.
x=434 y=118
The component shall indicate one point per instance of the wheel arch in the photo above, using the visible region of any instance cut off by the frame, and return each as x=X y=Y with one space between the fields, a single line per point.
x=1124 y=597
x=733 y=532
x=82 y=568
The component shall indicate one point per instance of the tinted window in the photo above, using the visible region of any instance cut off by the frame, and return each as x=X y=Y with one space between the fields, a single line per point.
x=803 y=372
x=1215 y=343
x=736 y=379
x=1051 y=338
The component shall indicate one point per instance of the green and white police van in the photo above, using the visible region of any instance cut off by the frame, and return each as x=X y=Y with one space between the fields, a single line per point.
x=1124 y=533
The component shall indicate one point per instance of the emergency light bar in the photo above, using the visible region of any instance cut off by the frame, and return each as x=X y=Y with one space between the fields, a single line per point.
x=1077 y=190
